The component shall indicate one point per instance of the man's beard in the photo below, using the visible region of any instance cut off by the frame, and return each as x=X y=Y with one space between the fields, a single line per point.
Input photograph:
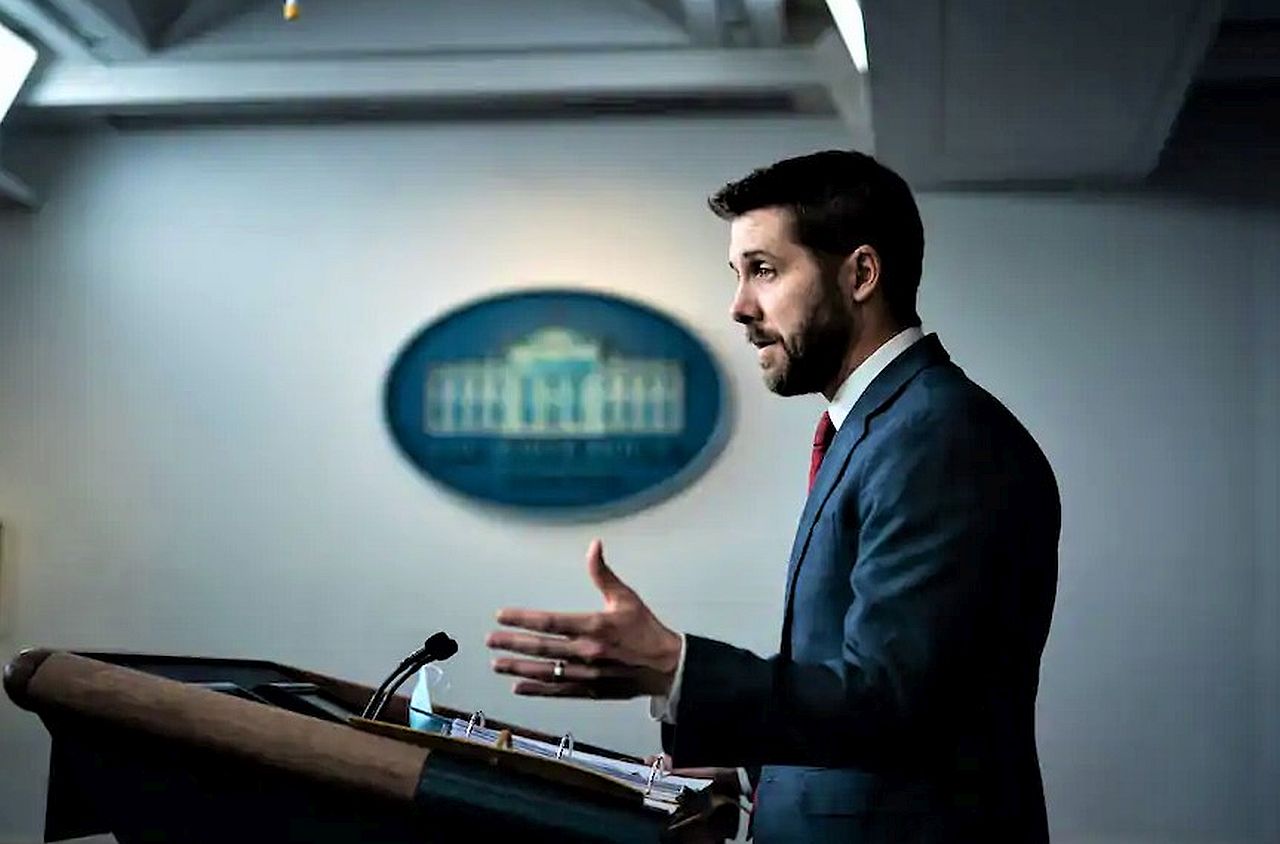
x=814 y=354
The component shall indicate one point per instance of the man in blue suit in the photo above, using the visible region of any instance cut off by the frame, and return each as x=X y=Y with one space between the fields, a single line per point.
x=901 y=704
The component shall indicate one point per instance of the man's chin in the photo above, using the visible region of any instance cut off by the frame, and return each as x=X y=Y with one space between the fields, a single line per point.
x=791 y=380
x=780 y=385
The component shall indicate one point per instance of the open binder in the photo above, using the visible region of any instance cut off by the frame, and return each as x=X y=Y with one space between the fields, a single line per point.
x=531 y=754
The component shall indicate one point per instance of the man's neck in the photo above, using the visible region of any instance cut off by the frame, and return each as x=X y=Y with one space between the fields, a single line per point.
x=857 y=354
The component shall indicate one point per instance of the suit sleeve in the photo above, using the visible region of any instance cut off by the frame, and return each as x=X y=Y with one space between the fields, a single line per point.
x=923 y=505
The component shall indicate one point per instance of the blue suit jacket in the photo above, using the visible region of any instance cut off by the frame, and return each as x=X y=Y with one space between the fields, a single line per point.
x=901 y=706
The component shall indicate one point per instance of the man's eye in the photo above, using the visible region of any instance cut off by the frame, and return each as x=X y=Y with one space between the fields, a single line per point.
x=762 y=270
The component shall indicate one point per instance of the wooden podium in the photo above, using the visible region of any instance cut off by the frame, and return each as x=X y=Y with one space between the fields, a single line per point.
x=165 y=748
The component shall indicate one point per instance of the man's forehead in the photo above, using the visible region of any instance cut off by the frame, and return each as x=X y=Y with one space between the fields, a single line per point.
x=764 y=229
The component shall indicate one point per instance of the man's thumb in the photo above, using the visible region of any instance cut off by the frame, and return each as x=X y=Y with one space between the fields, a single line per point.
x=601 y=575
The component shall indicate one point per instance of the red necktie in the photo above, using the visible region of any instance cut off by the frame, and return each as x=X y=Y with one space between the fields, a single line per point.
x=821 y=441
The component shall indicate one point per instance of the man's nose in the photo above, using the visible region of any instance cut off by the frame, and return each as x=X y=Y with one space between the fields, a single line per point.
x=744 y=308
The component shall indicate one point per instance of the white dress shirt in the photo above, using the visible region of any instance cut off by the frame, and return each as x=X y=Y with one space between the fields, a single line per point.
x=664 y=708
x=862 y=376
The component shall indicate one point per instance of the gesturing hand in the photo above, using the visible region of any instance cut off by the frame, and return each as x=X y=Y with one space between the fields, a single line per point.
x=623 y=651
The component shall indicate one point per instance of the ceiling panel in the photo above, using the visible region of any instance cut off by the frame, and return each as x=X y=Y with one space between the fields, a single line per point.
x=381 y=27
x=156 y=16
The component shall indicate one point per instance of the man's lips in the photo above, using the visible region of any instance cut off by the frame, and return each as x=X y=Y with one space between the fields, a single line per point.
x=763 y=345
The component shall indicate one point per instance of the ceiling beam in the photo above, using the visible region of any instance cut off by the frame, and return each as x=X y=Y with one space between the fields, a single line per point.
x=723 y=23
x=1243 y=52
x=1199 y=26
x=53 y=34
x=847 y=89
x=14 y=191
x=110 y=27
x=160 y=87
x=703 y=21
x=768 y=20
x=199 y=17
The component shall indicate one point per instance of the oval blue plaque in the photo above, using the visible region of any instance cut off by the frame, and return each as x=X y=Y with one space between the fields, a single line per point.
x=558 y=402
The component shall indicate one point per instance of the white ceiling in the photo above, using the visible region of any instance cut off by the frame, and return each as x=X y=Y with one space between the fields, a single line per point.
x=959 y=92
x=211 y=57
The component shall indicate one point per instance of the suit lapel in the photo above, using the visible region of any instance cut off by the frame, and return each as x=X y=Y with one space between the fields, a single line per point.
x=879 y=394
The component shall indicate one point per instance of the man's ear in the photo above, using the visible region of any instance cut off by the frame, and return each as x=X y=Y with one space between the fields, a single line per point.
x=861 y=270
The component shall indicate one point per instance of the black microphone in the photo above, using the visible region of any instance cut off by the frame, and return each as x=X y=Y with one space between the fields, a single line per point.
x=438 y=646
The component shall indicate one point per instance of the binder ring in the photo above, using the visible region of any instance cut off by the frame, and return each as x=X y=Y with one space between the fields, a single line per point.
x=653 y=773
x=476 y=720
x=566 y=746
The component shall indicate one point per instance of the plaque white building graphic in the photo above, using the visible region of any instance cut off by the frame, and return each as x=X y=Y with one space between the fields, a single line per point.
x=555 y=383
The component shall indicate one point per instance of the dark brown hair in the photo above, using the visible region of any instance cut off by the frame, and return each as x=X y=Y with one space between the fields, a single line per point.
x=841 y=200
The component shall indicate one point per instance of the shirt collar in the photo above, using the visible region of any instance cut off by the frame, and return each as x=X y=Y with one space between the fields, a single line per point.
x=862 y=376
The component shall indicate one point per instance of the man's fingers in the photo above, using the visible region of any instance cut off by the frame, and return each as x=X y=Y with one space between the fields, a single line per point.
x=588 y=651
x=538 y=688
x=560 y=623
x=531 y=645
x=538 y=678
x=609 y=584
x=537 y=669
x=692 y=773
x=604 y=689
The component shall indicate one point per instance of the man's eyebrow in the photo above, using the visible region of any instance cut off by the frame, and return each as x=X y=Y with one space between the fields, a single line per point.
x=753 y=253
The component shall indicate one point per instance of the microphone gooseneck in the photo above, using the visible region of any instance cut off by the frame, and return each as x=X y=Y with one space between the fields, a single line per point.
x=438 y=646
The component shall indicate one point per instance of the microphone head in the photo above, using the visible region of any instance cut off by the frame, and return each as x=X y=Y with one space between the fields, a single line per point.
x=439 y=646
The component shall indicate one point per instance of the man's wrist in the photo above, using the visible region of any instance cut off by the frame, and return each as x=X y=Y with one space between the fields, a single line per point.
x=669 y=662
x=665 y=700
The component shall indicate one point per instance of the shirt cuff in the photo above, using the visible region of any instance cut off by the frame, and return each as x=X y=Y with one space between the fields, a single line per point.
x=664 y=708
